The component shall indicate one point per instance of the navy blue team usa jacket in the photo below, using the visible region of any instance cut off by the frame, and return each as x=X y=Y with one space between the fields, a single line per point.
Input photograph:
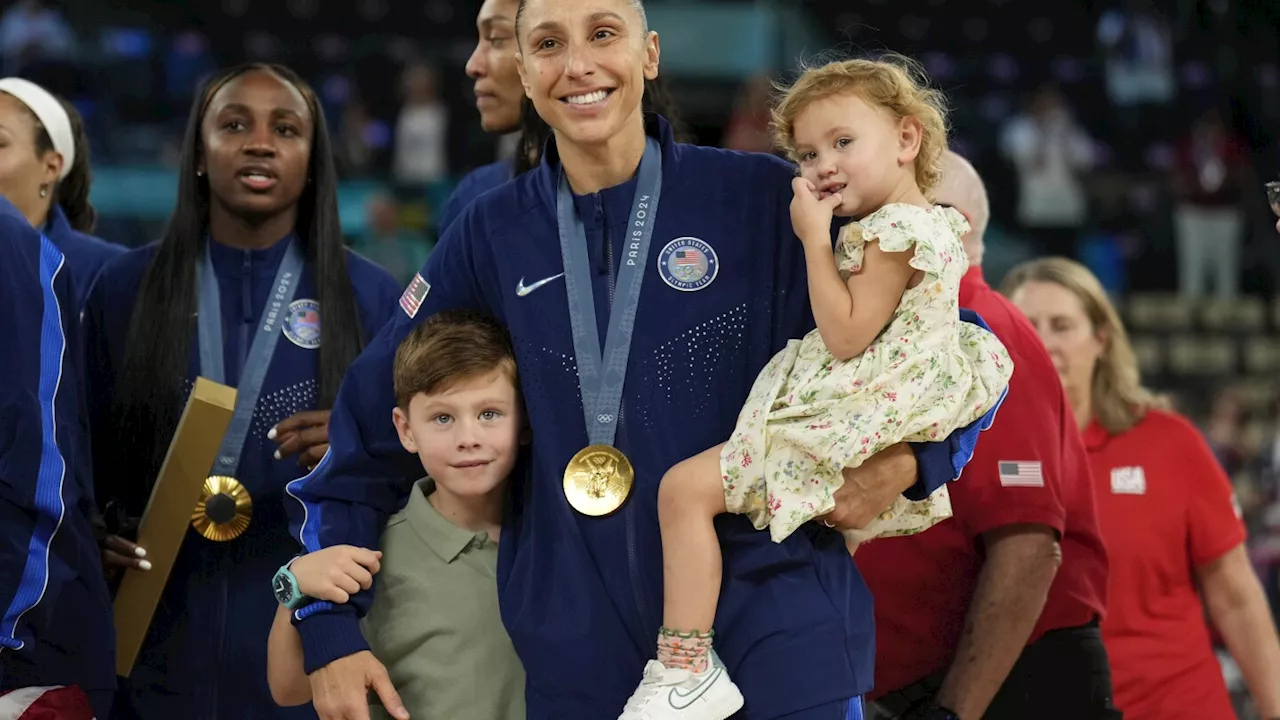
x=473 y=185
x=56 y=627
x=86 y=255
x=582 y=597
x=205 y=656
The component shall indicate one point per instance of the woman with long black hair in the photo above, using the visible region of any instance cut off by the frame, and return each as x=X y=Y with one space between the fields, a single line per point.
x=249 y=271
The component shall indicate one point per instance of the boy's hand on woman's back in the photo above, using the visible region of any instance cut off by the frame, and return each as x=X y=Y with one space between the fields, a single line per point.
x=336 y=573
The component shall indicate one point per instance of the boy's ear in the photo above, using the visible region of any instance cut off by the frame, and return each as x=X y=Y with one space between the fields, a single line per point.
x=401 y=420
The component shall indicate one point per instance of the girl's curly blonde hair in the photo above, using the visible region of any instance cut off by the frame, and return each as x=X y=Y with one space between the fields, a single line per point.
x=894 y=82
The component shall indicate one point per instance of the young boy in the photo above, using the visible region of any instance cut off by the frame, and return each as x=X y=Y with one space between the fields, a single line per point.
x=435 y=622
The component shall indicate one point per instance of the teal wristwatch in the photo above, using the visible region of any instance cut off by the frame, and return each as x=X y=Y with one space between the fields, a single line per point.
x=285 y=587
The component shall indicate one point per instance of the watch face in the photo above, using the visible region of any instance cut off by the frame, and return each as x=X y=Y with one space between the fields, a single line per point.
x=282 y=588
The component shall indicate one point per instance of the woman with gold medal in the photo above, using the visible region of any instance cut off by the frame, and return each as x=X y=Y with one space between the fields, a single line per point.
x=645 y=283
x=249 y=271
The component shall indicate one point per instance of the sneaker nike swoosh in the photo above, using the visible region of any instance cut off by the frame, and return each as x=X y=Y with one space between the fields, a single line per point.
x=682 y=700
x=522 y=289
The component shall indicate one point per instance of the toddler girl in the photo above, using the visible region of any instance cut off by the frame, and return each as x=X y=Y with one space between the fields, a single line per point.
x=889 y=362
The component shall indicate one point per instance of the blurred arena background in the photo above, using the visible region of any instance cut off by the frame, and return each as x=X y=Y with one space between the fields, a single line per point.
x=1080 y=116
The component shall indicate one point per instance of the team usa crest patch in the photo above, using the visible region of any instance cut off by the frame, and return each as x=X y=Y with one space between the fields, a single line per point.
x=413 y=295
x=688 y=264
x=302 y=324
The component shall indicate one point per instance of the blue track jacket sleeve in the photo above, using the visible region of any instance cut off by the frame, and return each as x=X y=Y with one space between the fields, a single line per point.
x=938 y=463
x=366 y=475
x=39 y=305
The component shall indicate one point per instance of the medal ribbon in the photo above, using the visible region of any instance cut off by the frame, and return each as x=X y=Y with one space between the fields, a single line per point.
x=601 y=375
x=260 y=352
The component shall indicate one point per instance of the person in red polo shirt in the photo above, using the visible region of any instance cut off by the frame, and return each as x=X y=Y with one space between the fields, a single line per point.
x=993 y=613
x=1166 y=511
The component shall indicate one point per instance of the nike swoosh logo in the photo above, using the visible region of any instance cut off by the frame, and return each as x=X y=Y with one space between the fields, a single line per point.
x=690 y=697
x=522 y=289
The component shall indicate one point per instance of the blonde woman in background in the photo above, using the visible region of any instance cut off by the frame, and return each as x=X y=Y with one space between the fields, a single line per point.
x=1166 y=512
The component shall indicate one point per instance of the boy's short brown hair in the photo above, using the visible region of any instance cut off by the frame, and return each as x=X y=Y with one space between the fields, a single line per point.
x=451 y=346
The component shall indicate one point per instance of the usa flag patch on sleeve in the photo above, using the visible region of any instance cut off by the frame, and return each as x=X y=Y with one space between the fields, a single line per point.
x=1021 y=473
x=413 y=295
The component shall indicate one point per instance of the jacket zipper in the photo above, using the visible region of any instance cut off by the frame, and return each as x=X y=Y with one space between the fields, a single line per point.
x=246 y=313
x=220 y=639
x=629 y=518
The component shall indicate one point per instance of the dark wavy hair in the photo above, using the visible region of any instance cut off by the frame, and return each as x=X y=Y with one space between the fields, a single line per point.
x=150 y=391
x=72 y=192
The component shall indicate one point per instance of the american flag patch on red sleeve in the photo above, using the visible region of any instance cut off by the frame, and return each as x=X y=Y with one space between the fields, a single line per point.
x=413 y=295
x=1021 y=473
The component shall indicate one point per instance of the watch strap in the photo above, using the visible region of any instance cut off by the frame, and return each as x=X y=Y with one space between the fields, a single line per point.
x=296 y=598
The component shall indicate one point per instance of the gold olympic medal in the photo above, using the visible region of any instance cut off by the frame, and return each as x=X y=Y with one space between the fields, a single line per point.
x=224 y=509
x=598 y=480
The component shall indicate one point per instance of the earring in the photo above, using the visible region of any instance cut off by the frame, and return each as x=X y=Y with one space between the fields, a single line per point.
x=44 y=191
x=199 y=173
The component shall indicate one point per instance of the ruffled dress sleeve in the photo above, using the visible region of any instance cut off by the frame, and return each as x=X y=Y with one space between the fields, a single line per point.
x=931 y=234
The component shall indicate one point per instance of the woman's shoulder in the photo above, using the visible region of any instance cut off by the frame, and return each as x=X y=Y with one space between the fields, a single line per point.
x=365 y=273
x=735 y=167
x=1171 y=426
x=128 y=266
x=1172 y=432
x=485 y=177
x=116 y=286
x=374 y=288
x=89 y=245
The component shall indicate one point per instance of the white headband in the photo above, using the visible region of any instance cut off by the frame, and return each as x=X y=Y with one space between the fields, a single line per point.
x=51 y=115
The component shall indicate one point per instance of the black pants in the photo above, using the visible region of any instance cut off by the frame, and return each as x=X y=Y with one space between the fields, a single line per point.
x=1064 y=675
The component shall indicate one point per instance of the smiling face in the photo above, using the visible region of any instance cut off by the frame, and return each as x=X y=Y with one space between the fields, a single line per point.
x=493 y=67
x=584 y=64
x=256 y=145
x=468 y=435
x=845 y=145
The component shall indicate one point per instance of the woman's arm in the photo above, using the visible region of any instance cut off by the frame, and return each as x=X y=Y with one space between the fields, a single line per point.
x=289 y=684
x=1239 y=610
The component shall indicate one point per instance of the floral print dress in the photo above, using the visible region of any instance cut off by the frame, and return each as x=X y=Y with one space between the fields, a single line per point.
x=809 y=415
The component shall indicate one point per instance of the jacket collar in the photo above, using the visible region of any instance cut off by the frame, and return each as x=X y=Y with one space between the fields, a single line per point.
x=547 y=174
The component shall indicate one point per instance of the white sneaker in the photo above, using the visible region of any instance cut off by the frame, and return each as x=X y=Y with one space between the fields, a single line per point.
x=676 y=694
